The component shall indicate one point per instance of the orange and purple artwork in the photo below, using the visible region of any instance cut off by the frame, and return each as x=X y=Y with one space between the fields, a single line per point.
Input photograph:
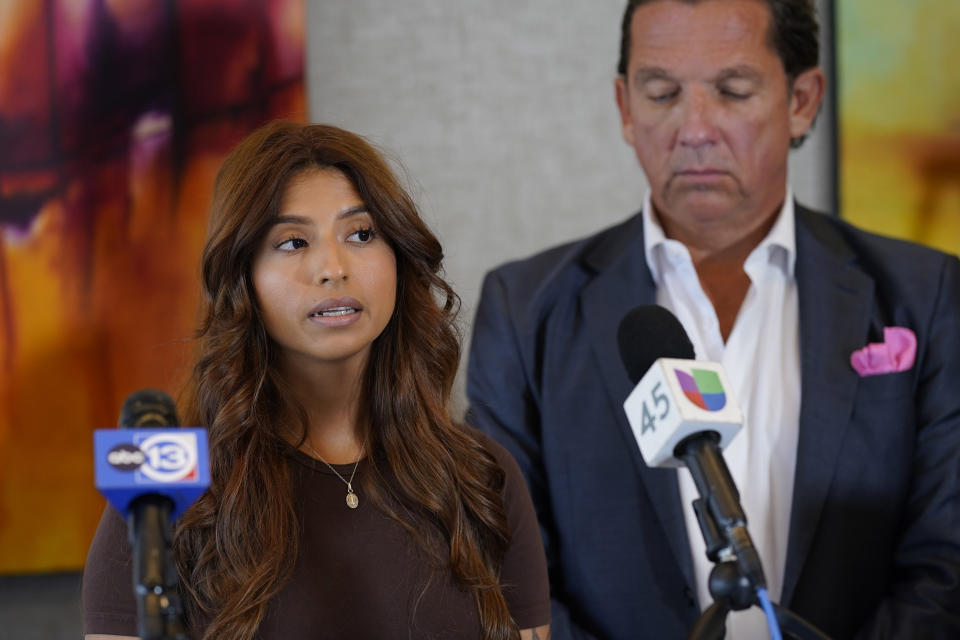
x=114 y=117
x=899 y=118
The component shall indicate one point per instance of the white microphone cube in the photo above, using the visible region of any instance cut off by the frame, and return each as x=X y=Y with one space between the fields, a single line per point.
x=678 y=398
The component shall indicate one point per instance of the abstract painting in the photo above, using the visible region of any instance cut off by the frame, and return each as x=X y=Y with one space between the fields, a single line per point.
x=114 y=117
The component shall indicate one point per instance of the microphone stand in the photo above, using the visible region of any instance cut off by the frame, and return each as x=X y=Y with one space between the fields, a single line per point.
x=737 y=572
x=159 y=609
x=732 y=591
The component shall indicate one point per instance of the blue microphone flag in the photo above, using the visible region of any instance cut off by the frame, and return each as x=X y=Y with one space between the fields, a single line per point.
x=130 y=463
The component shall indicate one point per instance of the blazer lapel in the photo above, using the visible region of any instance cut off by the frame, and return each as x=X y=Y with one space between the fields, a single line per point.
x=623 y=282
x=835 y=301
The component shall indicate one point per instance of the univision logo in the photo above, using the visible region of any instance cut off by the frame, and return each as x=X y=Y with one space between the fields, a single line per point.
x=703 y=388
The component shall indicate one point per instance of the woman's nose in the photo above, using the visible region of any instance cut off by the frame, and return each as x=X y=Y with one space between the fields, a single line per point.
x=330 y=266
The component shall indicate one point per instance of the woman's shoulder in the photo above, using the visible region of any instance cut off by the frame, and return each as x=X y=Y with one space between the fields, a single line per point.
x=497 y=450
x=514 y=492
x=107 y=598
x=524 y=568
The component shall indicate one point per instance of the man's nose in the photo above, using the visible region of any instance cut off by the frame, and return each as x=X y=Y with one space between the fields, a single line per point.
x=697 y=125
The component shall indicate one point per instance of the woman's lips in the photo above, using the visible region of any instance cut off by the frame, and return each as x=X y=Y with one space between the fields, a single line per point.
x=336 y=312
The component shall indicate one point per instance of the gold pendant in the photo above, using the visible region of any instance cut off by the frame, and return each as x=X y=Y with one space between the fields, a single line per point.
x=352 y=500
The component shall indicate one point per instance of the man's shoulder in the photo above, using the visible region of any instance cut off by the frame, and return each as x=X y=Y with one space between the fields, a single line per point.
x=873 y=251
x=563 y=266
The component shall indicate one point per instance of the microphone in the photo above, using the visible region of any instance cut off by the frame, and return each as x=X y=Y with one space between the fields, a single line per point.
x=148 y=408
x=681 y=415
x=151 y=471
x=150 y=457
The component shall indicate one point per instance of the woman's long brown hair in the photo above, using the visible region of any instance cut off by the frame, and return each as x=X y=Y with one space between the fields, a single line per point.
x=233 y=547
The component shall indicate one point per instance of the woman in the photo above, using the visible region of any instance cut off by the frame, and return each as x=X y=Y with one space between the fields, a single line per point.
x=344 y=503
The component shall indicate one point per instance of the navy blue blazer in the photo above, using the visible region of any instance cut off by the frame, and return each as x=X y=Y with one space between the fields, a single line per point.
x=874 y=542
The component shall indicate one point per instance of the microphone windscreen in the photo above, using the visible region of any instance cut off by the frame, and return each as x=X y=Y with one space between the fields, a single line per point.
x=648 y=333
x=148 y=408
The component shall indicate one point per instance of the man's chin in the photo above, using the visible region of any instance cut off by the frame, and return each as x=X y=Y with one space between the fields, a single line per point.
x=702 y=203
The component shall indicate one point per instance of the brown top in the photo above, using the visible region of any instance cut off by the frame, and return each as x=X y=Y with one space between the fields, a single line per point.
x=359 y=574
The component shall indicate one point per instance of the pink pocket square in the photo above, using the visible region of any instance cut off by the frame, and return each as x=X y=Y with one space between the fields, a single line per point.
x=895 y=353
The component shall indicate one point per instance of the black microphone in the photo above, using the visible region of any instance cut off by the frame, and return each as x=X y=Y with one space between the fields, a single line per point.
x=646 y=334
x=149 y=523
x=148 y=408
x=692 y=419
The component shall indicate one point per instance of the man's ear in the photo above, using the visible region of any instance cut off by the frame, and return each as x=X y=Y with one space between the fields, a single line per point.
x=623 y=104
x=805 y=98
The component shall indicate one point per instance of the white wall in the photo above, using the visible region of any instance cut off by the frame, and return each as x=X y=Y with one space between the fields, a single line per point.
x=503 y=114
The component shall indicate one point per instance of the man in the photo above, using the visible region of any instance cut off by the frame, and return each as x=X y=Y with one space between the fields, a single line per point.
x=850 y=477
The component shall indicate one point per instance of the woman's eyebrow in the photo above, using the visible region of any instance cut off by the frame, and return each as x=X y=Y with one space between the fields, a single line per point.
x=352 y=211
x=291 y=220
x=303 y=220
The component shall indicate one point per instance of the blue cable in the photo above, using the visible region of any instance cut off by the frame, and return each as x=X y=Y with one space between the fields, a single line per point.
x=771 y=614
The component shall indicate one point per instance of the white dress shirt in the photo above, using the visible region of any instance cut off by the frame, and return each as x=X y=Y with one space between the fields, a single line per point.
x=762 y=361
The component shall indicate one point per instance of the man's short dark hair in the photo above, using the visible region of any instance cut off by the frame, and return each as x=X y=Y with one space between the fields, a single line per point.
x=794 y=34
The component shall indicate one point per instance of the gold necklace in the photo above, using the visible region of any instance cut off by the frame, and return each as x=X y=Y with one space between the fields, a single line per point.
x=352 y=501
